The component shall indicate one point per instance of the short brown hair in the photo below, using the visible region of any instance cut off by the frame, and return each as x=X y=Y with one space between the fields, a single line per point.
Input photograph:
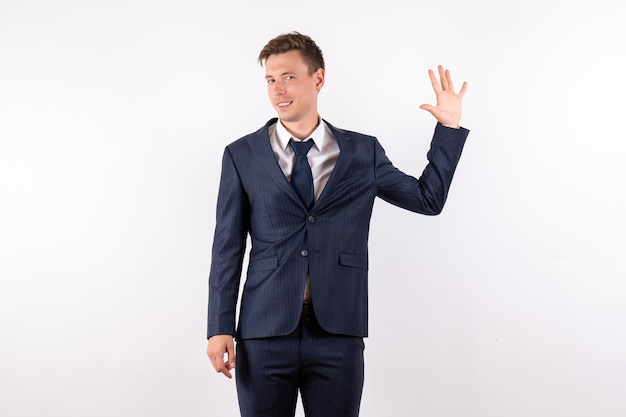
x=286 y=42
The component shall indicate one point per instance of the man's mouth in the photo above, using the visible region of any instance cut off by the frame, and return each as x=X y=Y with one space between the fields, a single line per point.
x=283 y=104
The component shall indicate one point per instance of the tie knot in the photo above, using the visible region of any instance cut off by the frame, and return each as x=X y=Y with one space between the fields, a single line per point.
x=301 y=148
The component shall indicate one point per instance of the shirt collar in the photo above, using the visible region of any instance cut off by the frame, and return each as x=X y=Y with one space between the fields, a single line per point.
x=318 y=135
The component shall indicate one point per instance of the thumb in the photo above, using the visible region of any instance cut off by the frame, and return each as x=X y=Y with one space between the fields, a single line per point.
x=230 y=347
x=427 y=107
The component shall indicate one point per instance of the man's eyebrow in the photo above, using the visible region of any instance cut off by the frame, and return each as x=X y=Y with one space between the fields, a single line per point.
x=283 y=74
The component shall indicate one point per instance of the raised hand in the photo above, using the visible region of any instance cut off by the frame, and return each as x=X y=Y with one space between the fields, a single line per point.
x=448 y=108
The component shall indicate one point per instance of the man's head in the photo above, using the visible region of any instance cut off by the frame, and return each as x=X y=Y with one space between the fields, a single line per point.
x=311 y=53
x=294 y=71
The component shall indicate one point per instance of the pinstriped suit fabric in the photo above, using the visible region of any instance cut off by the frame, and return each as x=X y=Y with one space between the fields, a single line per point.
x=329 y=240
x=277 y=354
x=327 y=369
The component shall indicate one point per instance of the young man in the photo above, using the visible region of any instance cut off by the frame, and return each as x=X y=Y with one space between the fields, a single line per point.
x=303 y=312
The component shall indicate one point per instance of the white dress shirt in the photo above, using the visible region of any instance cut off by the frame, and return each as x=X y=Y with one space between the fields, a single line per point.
x=322 y=156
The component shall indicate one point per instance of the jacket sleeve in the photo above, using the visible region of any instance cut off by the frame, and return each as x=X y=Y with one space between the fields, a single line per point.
x=229 y=244
x=428 y=194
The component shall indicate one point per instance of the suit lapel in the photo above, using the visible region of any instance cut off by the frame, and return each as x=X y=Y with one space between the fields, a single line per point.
x=346 y=154
x=261 y=148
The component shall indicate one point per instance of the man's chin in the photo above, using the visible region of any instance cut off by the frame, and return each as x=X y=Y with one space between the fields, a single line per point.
x=286 y=116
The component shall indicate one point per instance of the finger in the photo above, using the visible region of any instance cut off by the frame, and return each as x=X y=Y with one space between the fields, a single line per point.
x=428 y=108
x=221 y=367
x=433 y=81
x=449 y=80
x=226 y=370
x=463 y=89
x=231 y=355
x=227 y=374
x=442 y=77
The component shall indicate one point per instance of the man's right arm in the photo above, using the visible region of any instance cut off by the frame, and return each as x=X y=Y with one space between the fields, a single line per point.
x=229 y=244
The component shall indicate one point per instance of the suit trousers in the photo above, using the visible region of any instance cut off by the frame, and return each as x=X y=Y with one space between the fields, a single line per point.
x=326 y=368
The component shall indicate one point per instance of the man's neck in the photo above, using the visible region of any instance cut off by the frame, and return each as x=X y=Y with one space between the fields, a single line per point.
x=302 y=129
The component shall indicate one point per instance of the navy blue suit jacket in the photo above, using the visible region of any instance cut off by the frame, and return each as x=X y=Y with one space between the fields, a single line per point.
x=329 y=241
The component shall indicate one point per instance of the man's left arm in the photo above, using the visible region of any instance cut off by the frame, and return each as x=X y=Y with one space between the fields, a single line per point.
x=427 y=195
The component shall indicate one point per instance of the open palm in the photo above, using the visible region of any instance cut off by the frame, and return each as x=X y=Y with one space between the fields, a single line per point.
x=448 y=108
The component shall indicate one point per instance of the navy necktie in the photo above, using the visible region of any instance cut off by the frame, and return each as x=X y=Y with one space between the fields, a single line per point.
x=301 y=177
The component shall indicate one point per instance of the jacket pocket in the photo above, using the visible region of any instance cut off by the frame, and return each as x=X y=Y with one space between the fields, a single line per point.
x=263 y=264
x=353 y=259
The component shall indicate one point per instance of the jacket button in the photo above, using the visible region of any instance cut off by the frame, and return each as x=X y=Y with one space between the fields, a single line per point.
x=304 y=253
x=311 y=219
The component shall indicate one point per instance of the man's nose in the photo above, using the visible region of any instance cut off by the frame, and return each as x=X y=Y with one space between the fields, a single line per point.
x=278 y=88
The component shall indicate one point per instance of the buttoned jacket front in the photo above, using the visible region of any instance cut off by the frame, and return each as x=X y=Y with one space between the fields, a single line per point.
x=329 y=241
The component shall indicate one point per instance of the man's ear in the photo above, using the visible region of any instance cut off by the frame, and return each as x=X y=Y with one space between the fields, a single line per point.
x=319 y=75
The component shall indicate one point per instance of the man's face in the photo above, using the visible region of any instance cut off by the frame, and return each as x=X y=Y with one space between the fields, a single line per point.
x=291 y=89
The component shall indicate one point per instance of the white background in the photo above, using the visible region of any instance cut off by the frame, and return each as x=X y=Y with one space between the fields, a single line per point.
x=113 y=118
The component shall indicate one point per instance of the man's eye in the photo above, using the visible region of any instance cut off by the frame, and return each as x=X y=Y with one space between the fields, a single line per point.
x=289 y=77
x=270 y=81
